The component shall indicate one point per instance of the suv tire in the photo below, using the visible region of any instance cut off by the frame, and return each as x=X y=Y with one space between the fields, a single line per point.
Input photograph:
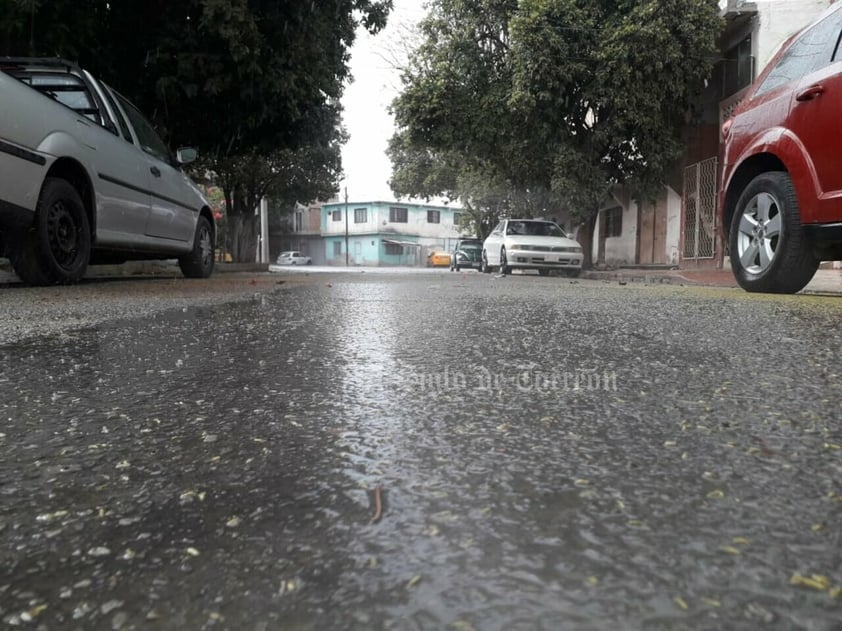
x=769 y=250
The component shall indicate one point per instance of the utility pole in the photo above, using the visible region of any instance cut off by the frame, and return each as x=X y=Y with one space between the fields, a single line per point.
x=347 y=263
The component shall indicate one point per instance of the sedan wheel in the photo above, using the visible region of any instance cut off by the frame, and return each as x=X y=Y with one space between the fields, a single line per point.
x=769 y=251
x=504 y=263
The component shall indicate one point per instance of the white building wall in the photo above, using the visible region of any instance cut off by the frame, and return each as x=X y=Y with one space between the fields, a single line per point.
x=776 y=21
x=621 y=250
x=378 y=222
x=417 y=224
x=673 y=239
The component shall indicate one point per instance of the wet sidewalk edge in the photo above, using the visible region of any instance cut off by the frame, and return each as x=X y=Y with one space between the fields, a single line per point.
x=826 y=281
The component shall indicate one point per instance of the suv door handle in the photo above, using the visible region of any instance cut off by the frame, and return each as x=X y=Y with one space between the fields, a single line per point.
x=810 y=93
x=155 y=171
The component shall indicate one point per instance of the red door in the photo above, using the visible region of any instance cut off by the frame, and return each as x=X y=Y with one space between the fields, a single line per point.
x=816 y=119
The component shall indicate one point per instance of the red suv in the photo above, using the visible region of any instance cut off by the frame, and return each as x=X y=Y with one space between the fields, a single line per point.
x=780 y=199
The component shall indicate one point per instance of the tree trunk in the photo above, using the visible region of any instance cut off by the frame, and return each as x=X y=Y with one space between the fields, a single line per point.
x=585 y=238
x=242 y=238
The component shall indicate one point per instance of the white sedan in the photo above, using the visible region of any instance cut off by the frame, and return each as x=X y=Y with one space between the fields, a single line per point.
x=293 y=258
x=531 y=244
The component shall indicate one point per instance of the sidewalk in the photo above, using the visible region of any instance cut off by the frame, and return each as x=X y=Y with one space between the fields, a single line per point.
x=826 y=281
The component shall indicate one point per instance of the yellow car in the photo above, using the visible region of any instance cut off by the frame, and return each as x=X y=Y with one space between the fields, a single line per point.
x=438 y=259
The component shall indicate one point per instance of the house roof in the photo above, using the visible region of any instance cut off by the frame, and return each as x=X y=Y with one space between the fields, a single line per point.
x=396 y=242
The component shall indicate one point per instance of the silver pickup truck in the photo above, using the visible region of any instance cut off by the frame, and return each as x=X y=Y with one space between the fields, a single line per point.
x=84 y=178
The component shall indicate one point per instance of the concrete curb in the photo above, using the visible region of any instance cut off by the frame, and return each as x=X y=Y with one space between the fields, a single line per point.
x=142 y=268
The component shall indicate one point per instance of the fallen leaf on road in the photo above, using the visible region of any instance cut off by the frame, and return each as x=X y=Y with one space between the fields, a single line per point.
x=816 y=581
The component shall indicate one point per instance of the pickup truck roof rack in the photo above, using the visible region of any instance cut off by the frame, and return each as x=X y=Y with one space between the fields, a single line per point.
x=46 y=62
x=22 y=68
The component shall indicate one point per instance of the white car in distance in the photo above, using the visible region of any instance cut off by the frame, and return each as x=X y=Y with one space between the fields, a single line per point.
x=293 y=258
x=531 y=244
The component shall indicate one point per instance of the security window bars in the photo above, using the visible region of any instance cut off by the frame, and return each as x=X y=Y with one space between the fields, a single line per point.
x=397 y=215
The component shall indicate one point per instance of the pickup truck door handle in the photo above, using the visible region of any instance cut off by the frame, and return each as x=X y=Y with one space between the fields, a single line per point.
x=155 y=171
x=810 y=93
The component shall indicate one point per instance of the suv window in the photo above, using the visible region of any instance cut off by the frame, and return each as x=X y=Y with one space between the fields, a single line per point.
x=812 y=51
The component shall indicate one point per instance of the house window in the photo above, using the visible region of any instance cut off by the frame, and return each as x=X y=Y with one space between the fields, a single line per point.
x=457 y=219
x=360 y=215
x=337 y=248
x=612 y=222
x=739 y=67
x=337 y=215
x=299 y=221
x=433 y=216
x=393 y=248
x=397 y=215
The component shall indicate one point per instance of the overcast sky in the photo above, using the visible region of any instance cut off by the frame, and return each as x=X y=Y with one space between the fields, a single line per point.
x=376 y=83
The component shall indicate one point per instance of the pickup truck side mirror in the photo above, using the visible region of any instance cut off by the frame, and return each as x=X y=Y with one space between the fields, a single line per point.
x=185 y=155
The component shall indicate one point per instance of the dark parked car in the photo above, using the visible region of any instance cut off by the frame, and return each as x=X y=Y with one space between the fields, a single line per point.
x=467 y=253
x=780 y=201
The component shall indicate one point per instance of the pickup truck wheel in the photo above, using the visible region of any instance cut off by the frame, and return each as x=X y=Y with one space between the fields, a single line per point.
x=769 y=251
x=58 y=246
x=199 y=263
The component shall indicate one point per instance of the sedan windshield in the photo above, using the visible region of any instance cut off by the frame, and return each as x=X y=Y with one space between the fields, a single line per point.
x=534 y=228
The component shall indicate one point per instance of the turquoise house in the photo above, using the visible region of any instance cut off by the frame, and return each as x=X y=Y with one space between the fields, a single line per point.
x=386 y=233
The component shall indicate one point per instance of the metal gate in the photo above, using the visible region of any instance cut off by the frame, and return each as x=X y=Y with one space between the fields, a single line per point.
x=699 y=210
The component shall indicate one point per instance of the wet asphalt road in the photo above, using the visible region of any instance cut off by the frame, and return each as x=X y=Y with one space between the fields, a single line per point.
x=541 y=454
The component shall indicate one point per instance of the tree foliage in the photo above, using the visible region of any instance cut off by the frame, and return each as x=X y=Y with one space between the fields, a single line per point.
x=553 y=100
x=244 y=81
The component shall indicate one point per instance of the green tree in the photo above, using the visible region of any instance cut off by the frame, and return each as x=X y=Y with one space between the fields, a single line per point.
x=560 y=99
x=243 y=81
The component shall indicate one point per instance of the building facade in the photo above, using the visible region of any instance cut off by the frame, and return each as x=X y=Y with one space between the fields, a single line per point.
x=386 y=233
x=300 y=231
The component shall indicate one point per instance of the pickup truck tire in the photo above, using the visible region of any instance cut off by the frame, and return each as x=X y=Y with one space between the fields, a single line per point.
x=57 y=248
x=199 y=263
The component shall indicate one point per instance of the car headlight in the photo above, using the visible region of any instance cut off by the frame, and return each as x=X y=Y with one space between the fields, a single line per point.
x=517 y=246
